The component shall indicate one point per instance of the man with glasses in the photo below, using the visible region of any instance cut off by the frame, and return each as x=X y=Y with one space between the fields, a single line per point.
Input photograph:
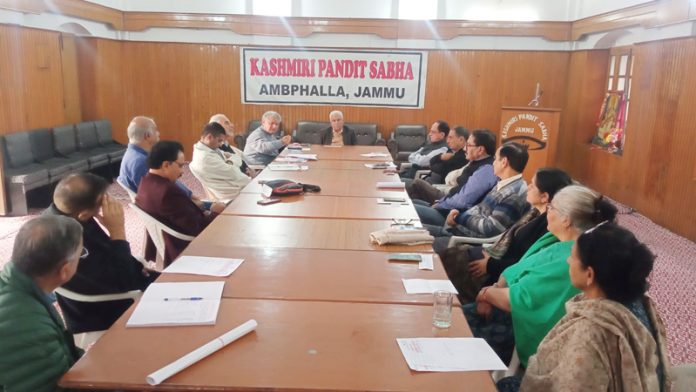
x=163 y=200
x=210 y=165
x=476 y=180
x=107 y=265
x=437 y=145
x=36 y=349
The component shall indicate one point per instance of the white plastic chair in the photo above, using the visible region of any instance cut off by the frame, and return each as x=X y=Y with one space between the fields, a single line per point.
x=155 y=228
x=684 y=377
x=131 y=194
x=454 y=240
x=512 y=369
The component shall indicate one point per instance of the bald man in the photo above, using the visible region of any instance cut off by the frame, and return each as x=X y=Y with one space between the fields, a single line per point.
x=107 y=266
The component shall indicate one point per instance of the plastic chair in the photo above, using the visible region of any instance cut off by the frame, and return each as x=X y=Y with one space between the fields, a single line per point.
x=156 y=228
x=684 y=377
x=131 y=194
x=454 y=240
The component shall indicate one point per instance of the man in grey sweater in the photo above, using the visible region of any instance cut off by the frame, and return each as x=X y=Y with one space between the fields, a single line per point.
x=262 y=146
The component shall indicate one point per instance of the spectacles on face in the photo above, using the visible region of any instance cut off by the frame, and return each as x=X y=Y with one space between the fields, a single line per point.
x=471 y=145
x=550 y=207
x=181 y=164
x=84 y=253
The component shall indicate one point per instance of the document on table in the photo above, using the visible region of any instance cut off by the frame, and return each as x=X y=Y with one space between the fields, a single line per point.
x=287 y=167
x=449 y=354
x=428 y=286
x=426 y=262
x=309 y=157
x=381 y=165
x=201 y=265
x=391 y=185
x=172 y=304
x=375 y=154
x=290 y=160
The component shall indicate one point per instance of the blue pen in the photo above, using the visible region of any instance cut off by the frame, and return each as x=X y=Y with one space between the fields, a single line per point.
x=184 y=299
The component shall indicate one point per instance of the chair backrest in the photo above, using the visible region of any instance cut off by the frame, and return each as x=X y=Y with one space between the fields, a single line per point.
x=87 y=135
x=18 y=150
x=104 y=134
x=208 y=193
x=131 y=194
x=366 y=134
x=253 y=124
x=310 y=131
x=64 y=139
x=156 y=230
x=41 y=142
x=410 y=137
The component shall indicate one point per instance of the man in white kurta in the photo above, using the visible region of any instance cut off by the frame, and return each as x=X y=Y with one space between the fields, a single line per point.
x=222 y=178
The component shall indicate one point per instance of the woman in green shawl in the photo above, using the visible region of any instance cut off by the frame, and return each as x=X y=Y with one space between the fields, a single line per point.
x=528 y=299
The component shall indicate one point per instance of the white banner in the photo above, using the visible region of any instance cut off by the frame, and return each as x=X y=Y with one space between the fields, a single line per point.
x=328 y=77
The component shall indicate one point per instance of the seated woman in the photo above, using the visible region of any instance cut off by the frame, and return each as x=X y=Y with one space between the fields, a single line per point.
x=611 y=338
x=529 y=298
x=471 y=267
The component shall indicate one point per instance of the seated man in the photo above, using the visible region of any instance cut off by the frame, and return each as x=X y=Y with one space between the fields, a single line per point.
x=474 y=183
x=453 y=159
x=210 y=165
x=142 y=135
x=108 y=266
x=36 y=349
x=163 y=200
x=338 y=134
x=232 y=153
x=262 y=146
x=503 y=205
x=436 y=145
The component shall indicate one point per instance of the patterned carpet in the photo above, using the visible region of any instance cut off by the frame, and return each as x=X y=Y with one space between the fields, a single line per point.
x=673 y=281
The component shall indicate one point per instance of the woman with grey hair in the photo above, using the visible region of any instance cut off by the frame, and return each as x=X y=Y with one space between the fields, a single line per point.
x=529 y=297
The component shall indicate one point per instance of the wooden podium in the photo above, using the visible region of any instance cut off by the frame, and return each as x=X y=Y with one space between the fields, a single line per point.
x=537 y=128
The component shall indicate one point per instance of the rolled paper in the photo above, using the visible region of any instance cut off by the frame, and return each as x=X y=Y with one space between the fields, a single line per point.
x=196 y=355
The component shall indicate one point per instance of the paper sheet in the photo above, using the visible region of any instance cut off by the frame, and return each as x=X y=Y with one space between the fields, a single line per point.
x=185 y=303
x=391 y=185
x=375 y=154
x=287 y=167
x=449 y=354
x=201 y=265
x=381 y=165
x=426 y=262
x=310 y=157
x=428 y=286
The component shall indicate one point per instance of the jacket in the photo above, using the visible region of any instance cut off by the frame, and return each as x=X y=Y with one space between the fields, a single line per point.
x=349 y=138
x=35 y=348
x=222 y=178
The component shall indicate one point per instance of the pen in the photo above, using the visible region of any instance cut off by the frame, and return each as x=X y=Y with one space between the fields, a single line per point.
x=184 y=299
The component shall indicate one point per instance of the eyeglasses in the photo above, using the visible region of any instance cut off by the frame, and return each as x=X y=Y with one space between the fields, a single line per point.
x=180 y=164
x=471 y=145
x=84 y=253
x=550 y=207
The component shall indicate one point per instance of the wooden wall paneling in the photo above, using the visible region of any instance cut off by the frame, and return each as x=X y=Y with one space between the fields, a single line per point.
x=71 y=86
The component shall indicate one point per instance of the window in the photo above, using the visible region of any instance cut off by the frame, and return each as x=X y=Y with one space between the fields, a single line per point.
x=611 y=127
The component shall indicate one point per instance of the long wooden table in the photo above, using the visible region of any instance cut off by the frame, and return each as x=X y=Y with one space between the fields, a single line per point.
x=278 y=232
x=326 y=207
x=314 y=274
x=298 y=346
x=329 y=305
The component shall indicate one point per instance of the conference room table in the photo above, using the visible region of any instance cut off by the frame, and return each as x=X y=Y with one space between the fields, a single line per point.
x=326 y=207
x=281 y=232
x=314 y=274
x=297 y=346
x=328 y=302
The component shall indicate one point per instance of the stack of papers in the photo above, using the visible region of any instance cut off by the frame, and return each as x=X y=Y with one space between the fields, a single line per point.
x=173 y=304
x=449 y=354
x=391 y=185
x=201 y=265
x=375 y=154
x=290 y=160
x=287 y=167
x=381 y=165
x=309 y=157
x=428 y=286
